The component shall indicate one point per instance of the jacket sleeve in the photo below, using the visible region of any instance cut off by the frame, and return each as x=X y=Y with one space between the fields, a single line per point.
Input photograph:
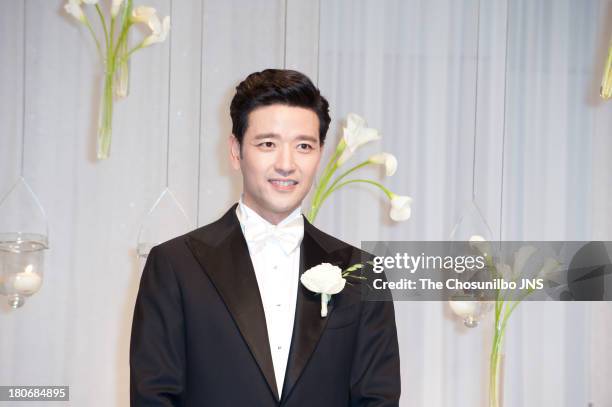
x=375 y=373
x=157 y=345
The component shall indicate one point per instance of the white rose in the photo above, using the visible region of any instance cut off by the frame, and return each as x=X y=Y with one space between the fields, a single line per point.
x=325 y=279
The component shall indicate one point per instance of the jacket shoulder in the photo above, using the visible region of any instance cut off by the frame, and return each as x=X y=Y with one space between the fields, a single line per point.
x=333 y=244
x=210 y=234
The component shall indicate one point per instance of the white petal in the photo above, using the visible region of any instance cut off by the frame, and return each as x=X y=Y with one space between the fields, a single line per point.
x=550 y=266
x=142 y=14
x=354 y=135
x=354 y=121
x=504 y=270
x=520 y=259
x=160 y=31
x=355 y=139
x=165 y=27
x=150 y=40
x=360 y=136
x=400 y=208
x=386 y=159
x=323 y=278
x=154 y=24
x=74 y=9
x=115 y=7
x=346 y=154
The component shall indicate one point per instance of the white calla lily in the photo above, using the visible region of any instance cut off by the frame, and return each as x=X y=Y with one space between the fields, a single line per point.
x=520 y=259
x=354 y=135
x=160 y=31
x=115 y=7
x=73 y=7
x=142 y=14
x=386 y=159
x=505 y=271
x=325 y=279
x=548 y=270
x=400 y=207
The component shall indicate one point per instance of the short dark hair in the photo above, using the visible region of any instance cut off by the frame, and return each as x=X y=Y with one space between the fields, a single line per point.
x=277 y=86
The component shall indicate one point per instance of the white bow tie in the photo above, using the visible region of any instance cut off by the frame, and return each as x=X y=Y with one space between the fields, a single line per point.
x=288 y=235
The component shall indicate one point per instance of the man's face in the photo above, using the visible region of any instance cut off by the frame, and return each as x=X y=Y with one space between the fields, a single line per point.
x=280 y=157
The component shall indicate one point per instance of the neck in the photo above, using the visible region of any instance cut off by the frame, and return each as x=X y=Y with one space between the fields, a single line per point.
x=273 y=217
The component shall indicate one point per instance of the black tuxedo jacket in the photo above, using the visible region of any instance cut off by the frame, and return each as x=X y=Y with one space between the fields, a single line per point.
x=199 y=334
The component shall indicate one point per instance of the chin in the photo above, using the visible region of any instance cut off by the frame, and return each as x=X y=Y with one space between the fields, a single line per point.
x=284 y=208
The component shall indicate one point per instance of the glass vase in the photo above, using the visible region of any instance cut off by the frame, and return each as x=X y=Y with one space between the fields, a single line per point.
x=166 y=219
x=23 y=240
x=496 y=365
x=105 y=120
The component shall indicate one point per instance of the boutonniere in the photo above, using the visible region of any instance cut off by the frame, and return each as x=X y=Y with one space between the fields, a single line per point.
x=327 y=280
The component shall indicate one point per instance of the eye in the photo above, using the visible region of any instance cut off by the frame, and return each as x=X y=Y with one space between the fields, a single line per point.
x=305 y=147
x=266 y=144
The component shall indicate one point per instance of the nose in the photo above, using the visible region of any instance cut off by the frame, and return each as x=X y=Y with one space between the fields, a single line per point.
x=284 y=164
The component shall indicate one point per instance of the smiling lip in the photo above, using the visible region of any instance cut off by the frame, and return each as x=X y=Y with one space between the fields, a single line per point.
x=283 y=184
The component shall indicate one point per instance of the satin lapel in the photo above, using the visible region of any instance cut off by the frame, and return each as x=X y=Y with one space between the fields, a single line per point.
x=308 y=325
x=230 y=269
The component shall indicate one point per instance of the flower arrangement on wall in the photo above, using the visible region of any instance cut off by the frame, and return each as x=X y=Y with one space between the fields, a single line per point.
x=115 y=52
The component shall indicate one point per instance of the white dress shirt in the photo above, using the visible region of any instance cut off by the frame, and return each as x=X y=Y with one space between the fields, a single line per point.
x=277 y=276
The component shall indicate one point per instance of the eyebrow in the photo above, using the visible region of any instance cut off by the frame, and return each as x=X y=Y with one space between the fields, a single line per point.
x=277 y=136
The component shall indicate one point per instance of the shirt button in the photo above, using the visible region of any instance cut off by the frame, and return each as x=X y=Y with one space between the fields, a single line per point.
x=275 y=267
x=279 y=347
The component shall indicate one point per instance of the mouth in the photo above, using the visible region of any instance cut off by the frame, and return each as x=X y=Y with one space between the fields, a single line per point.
x=283 y=184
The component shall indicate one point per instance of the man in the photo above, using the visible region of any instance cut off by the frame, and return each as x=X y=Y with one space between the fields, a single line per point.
x=221 y=318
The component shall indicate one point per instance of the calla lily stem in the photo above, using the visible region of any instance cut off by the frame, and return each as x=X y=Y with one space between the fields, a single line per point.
x=107 y=39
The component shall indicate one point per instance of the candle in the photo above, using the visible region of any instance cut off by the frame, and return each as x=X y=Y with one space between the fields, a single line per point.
x=27 y=282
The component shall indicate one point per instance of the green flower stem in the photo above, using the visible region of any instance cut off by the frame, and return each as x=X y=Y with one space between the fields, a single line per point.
x=106 y=117
x=93 y=34
x=127 y=11
x=317 y=201
x=494 y=366
x=103 y=21
x=113 y=50
x=123 y=59
x=315 y=209
x=502 y=306
x=122 y=37
x=112 y=31
x=344 y=174
x=329 y=170
x=367 y=181
x=606 y=82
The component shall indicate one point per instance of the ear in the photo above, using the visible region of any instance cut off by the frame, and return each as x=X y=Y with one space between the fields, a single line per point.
x=234 y=150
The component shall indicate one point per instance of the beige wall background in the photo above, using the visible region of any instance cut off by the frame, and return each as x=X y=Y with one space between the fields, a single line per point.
x=542 y=160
